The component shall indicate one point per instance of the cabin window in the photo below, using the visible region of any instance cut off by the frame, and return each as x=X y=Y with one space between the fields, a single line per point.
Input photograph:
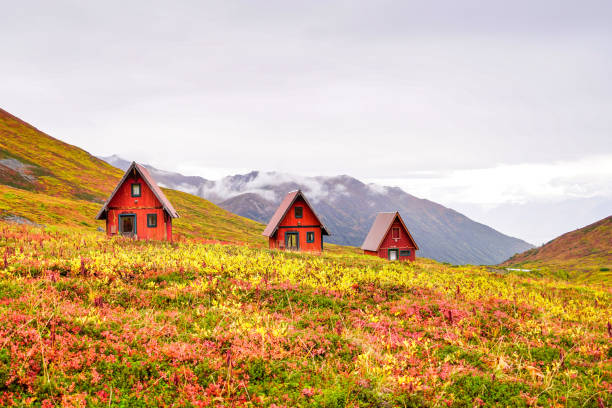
x=151 y=220
x=310 y=237
x=299 y=212
x=136 y=190
x=405 y=253
x=395 y=232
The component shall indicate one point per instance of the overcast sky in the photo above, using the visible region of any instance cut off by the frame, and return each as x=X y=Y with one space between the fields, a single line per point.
x=474 y=104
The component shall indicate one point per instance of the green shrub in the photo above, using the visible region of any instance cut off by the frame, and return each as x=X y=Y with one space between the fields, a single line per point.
x=258 y=370
x=332 y=398
x=446 y=351
x=472 y=358
x=458 y=353
x=10 y=290
x=205 y=373
x=545 y=354
x=5 y=365
x=494 y=393
x=46 y=389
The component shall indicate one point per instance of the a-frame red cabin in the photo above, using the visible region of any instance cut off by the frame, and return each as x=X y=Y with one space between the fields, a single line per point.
x=389 y=238
x=138 y=208
x=295 y=226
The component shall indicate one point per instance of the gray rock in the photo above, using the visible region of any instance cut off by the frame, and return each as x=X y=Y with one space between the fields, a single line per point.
x=19 y=220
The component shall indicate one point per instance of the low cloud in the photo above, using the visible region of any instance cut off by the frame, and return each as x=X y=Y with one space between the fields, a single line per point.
x=377 y=188
x=264 y=184
x=514 y=183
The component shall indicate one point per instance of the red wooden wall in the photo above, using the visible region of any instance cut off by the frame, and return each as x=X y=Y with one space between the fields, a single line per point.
x=402 y=244
x=308 y=223
x=147 y=203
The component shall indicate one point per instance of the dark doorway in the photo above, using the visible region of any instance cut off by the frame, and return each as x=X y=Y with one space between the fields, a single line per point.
x=127 y=224
x=292 y=241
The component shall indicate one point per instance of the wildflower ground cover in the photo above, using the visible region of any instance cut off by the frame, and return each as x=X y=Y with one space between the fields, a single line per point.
x=91 y=321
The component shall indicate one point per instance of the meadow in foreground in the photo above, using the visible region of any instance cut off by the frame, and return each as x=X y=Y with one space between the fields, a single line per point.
x=89 y=321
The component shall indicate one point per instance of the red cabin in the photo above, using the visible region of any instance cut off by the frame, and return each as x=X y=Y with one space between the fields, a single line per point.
x=389 y=238
x=295 y=226
x=138 y=208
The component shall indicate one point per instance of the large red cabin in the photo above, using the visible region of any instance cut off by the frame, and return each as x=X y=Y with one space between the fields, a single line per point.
x=138 y=208
x=295 y=226
x=389 y=238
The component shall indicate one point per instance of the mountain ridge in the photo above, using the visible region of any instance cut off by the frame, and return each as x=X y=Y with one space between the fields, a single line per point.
x=348 y=207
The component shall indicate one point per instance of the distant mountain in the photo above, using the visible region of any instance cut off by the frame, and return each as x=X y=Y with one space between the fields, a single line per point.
x=250 y=205
x=585 y=251
x=348 y=208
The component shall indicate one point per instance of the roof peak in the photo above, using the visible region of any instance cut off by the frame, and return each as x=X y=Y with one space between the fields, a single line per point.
x=151 y=183
x=282 y=209
x=380 y=228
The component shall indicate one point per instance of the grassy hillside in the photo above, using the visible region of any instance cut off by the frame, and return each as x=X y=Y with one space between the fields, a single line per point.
x=584 y=254
x=87 y=321
x=50 y=182
x=42 y=163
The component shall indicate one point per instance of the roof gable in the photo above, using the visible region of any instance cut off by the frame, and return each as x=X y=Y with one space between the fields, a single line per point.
x=282 y=209
x=380 y=228
x=146 y=176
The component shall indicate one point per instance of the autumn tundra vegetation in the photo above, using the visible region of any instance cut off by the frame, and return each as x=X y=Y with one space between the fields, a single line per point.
x=87 y=320
x=215 y=318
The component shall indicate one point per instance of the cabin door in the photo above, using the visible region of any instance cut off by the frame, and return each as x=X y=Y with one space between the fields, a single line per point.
x=127 y=225
x=292 y=241
x=393 y=255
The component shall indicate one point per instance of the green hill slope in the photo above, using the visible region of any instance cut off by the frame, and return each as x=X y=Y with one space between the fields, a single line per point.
x=583 y=254
x=47 y=181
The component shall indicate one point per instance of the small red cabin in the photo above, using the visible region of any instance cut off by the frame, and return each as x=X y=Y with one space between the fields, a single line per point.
x=389 y=238
x=138 y=208
x=295 y=226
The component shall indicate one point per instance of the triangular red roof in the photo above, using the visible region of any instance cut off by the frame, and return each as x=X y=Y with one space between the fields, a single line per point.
x=380 y=229
x=144 y=173
x=282 y=209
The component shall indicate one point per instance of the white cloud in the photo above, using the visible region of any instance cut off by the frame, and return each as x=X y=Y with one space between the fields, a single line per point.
x=513 y=183
x=377 y=188
x=265 y=184
x=373 y=89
